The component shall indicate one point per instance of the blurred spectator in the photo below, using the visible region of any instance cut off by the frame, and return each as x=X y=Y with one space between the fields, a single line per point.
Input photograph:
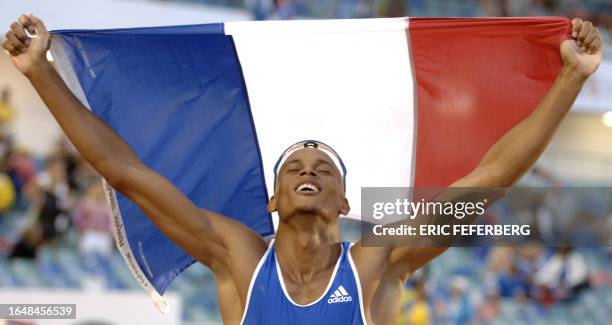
x=21 y=167
x=260 y=9
x=6 y=110
x=65 y=151
x=599 y=11
x=355 y=9
x=511 y=282
x=28 y=244
x=500 y=259
x=526 y=312
x=458 y=308
x=490 y=309
x=392 y=8
x=56 y=198
x=7 y=193
x=494 y=8
x=283 y=10
x=529 y=260
x=93 y=222
x=416 y=305
x=562 y=276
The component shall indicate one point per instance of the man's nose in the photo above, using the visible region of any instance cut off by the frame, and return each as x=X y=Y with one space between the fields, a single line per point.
x=307 y=171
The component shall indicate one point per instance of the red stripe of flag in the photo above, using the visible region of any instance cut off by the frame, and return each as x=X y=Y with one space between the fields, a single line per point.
x=475 y=79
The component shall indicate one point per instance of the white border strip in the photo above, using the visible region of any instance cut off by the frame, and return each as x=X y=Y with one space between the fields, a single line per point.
x=316 y=26
x=253 y=278
x=126 y=251
x=356 y=275
x=415 y=108
x=65 y=69
x=67 y=73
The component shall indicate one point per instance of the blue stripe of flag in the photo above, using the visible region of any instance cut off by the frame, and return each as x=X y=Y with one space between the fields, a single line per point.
x=177 y=96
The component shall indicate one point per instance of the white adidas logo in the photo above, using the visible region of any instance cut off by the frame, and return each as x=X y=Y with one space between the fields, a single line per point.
x=340 y=295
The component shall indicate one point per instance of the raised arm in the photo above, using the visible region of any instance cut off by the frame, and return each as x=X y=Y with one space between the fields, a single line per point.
x=512 y=156
x=518 y=149
x=205 y=235
x=504 y=163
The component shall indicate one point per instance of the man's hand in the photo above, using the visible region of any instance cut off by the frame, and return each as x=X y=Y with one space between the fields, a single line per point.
x=583 y=53
x=28 y=54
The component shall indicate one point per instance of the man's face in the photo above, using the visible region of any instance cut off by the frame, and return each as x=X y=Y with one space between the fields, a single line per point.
x=309 y=183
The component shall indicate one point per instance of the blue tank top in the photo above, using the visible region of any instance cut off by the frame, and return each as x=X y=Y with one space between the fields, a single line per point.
x=269 y=303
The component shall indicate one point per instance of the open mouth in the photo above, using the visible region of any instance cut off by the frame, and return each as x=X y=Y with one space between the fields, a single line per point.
x=307 y=188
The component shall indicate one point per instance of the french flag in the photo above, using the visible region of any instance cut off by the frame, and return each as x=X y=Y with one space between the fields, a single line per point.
x=404 y=101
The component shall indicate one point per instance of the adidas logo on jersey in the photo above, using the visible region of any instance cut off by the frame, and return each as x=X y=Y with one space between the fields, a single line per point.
x=340 y=295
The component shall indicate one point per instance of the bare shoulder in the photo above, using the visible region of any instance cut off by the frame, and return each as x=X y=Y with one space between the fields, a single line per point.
x=370 y=262
x=244 y=248
x=373 y=268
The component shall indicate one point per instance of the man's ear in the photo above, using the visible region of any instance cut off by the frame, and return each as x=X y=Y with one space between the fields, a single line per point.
x=272 y=204
x=344 y=207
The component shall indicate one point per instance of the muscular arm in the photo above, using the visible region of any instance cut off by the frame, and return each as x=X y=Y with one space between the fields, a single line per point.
x=203 y=234
x=512 y=155
x=502 y=166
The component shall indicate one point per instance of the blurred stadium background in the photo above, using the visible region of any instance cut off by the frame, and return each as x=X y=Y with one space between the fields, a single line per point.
x=55 y=239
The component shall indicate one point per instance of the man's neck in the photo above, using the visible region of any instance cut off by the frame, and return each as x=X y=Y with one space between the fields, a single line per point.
x=306 y=246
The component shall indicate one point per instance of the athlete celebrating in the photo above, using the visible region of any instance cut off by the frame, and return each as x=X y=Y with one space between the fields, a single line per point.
x=306 y=275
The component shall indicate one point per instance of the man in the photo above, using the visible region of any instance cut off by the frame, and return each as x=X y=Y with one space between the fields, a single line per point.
x=306 y=275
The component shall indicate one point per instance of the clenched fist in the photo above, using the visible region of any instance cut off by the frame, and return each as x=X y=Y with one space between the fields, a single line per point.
x=28 y=54
x=583 y=52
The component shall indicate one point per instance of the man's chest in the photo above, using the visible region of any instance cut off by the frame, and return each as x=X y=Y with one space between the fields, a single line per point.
x=306 y=292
